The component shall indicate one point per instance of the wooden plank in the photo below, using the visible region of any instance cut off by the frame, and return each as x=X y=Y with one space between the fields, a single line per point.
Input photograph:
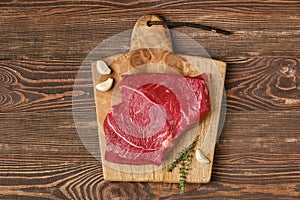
x=38 y=85
x=255 y=158
x=251 y=84
x=48 y=136
x=53 y=29
x=264 y=84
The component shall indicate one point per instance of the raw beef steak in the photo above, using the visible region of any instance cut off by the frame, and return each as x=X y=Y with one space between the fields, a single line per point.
x=155 y=110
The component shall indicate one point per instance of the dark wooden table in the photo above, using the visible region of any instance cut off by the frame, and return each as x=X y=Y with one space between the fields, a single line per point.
x=42 y=45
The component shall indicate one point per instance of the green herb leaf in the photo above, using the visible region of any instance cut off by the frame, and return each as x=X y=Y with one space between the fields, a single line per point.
x=184 y=158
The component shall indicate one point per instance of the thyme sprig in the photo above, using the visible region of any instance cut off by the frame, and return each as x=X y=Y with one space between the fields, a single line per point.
x=184 y=159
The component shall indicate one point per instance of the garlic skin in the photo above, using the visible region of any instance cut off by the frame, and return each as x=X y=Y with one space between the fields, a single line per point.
x=106 y=85
x=102 y=67
x=201 y=158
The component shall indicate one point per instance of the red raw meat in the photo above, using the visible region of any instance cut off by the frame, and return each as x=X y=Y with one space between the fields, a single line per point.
x=155 y=110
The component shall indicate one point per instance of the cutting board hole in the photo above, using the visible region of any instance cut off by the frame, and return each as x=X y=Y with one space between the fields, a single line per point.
x=149 y=23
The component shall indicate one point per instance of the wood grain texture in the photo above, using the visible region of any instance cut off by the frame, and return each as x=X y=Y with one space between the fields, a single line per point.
x=44 y=135
x=258 y=161
x=264 y=84
x=38 y=85
x=42 y=45
x=251 y=84
x=52 y=29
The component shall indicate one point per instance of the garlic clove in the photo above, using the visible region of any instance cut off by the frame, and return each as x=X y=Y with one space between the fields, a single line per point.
x=201 y=158
x=102 y=67
x=105 y=86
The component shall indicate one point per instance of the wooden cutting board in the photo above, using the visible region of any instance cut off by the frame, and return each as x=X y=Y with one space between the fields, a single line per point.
x=151 y=51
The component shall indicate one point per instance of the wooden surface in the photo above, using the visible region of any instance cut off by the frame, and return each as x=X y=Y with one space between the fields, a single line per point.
x=42 y=46
x=150 y=49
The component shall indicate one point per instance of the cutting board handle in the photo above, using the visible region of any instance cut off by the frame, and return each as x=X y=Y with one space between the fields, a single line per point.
x=155 y=36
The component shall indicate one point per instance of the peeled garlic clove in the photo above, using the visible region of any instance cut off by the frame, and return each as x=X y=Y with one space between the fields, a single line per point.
x=201 y=158
x=105 y=86
x=102 y=67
